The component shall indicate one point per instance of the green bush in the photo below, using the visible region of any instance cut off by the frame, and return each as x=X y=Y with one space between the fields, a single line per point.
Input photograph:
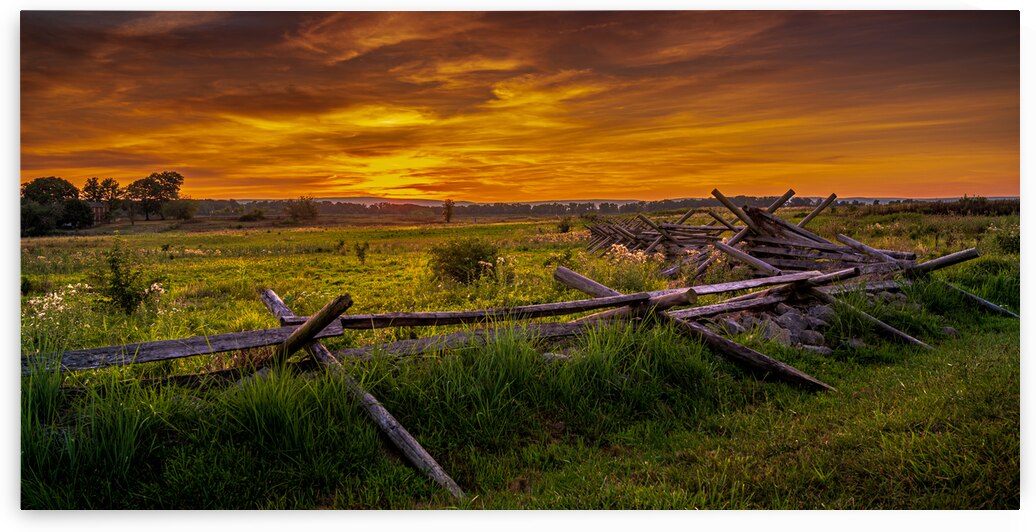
x=564 y=225
x=124 y=285
x=462 y=260
x=361 y=251
x=252 y=216
x=1008 y=240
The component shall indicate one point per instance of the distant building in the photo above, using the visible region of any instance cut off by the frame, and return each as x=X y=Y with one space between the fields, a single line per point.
x=100 y=209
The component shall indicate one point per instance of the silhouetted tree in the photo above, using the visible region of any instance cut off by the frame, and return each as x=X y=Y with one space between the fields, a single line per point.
x=111 y=193
x=50 y=202
x=92 y=190
x=155 y=190
x=147 y=193
x=107 y=191
x=39 y=218
x=304 y=208
x=49 y=190
x=76 y=213
x=447 y=210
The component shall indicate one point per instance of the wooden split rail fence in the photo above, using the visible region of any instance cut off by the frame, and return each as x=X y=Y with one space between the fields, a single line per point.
x=770 y=246
x=794 y=265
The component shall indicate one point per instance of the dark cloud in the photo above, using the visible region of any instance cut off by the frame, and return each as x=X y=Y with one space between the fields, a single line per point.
x=521 y=105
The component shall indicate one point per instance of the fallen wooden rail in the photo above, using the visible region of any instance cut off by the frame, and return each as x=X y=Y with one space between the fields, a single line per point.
x=741 y=355
x=385 y=421
x=428 y=319
x=119 y=355
x=459 y=339
x=303 y=336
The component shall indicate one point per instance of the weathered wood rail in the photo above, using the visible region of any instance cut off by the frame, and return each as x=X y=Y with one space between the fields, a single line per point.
x=118 y=355
x=739 y=354
x=382 y=418
x=431 y=319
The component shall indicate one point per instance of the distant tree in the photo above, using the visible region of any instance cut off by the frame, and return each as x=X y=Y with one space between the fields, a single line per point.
x=110 y=192
x=304 y=208
x=50 y=202
x=180 y=209
x=92 y=190
x=39 y=218
x=147 y=194
x=169 y=184
x=76 y=213
x=106 y=191
x=155 y=190
x=49 y=190
x=447 y=210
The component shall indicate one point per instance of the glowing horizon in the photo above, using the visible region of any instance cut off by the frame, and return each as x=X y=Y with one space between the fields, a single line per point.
x=533 y=106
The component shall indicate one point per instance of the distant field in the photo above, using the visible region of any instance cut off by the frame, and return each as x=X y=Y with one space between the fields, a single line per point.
x=637 y=419
x=231 y=222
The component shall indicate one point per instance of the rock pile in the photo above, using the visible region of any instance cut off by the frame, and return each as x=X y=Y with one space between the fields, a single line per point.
x=801 y=326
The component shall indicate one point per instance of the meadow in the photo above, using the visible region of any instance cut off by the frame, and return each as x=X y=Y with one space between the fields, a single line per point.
x=636 y=418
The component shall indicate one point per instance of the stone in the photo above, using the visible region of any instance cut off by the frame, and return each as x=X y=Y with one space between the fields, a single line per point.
x=730 y=327
x=812 y=337
x=792 y=321
x=815 y=323
x=772 y=331
x=950 y=331
x=822 y=312
x=818 y=349
x=783 y=308
x=754 y=322
x=856 y=343
x=555 y=357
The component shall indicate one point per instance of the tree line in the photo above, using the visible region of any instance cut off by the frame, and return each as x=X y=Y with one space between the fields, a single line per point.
x=49 y=203
x=450 y=209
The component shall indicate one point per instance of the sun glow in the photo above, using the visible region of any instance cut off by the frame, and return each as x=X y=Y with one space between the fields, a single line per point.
x=527 y=106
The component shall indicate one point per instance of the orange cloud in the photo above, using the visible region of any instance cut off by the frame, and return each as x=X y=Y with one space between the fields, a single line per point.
x=527 y=106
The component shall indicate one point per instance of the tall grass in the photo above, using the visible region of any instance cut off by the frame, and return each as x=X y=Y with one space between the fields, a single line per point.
x=619 y=417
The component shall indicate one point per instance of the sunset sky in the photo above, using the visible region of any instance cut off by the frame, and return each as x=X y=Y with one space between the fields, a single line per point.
x=513 y=106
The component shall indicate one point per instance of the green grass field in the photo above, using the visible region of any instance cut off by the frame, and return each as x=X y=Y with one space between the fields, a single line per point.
x=637 y=419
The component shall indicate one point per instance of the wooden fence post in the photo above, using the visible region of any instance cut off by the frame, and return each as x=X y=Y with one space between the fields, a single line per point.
x=386 y=422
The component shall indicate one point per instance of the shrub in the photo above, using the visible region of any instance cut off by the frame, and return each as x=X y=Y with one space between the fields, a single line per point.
x=628 y=271
x=361 y=251
x=304 y=208
x=559 y=259
x=253 y=215
x=124 y=285
x=181 y=209
x=565 y=225
x=1008 y=240
x=462 y=260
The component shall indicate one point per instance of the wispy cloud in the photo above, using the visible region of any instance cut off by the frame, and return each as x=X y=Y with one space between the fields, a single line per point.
x=527 y=106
